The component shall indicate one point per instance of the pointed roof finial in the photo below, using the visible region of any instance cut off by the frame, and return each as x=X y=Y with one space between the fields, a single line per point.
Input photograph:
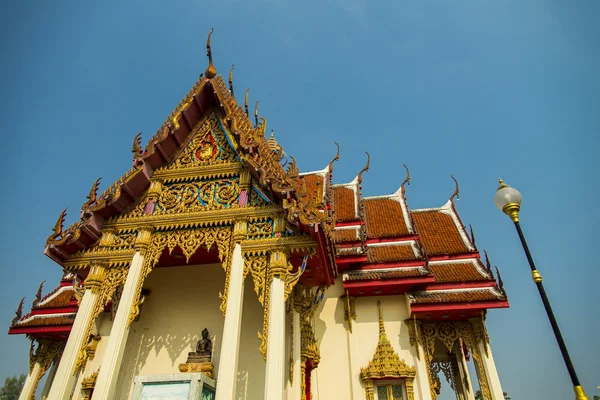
x=365 y=169
x=19 y=312
x=487 y=261
x=456 y=191
x=211 y=71
x=246 y=102
x=407 y=180
x=92 y=195
x=58 y=227
x=382 y=334
x=38 y=295
x=256 y=114
x=231 y=80
x=472 y=234
x=336 y=158
x=500 y=282
x=136 y=148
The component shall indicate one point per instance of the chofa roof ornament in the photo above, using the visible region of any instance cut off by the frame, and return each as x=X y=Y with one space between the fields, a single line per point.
x=211 y=71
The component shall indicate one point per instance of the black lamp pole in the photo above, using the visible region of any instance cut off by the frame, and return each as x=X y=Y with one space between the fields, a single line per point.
x=509 y=201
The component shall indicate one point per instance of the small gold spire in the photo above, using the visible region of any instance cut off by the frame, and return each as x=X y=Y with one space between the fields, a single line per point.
x=456 y=191
x=256 y=114
x=407 y=180
x=231 y=80
x=502 y=184
x=211 y=71
x=246 y=102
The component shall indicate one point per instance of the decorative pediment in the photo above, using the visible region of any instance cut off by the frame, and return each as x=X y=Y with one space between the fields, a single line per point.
x=386 y=364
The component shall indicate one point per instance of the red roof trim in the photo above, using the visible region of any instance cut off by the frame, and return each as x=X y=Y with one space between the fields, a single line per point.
x=351 y=259
x=396 y=264
x=355 y=223
x=462 y=256
x=472 y=305
x=56 y=310
x=35 y=329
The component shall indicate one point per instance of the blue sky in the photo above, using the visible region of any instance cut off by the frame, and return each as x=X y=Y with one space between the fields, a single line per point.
x=476 y=88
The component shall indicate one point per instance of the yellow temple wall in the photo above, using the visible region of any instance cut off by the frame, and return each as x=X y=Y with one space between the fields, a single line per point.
x=343 y=354
x=182 y=302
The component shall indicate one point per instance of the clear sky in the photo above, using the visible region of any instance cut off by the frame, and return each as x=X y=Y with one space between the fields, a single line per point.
x=476 y=88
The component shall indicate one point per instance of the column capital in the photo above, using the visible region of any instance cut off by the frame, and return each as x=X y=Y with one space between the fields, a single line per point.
x=240 y=229
x=245 y=179
x=96 y=276
x=144 y=238
x=278 y=264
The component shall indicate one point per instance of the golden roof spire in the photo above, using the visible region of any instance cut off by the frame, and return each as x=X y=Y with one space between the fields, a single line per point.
x=456 y=191
x=365 y=169
x=211 y=71
x=246 y=102
x=231 y=80
x=407 y=180
x=382 y=335
x=256 y=113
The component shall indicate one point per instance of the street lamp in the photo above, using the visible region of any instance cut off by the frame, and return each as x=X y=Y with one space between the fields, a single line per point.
x=509 y=200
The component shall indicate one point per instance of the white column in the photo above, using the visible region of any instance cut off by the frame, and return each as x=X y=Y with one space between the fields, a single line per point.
x=422 y=377
x=49 y=380
x=275 y=342
x=230 y=346
x=463 y=374
x=111 y=363
x=65 y=373
x=358 y=393
x=489 y=369
x=296 y=392
x=28 y=391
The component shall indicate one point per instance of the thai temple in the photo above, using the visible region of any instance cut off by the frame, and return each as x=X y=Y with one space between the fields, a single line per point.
x=213 y=269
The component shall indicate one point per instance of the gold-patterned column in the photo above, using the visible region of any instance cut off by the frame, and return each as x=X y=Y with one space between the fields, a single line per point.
x=40 y=361
x=64 y=379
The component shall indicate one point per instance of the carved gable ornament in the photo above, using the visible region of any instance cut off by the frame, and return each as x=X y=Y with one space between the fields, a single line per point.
x=386 y=364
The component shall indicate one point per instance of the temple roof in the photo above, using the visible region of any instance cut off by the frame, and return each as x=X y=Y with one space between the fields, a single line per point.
x=374 y=241
x=51 y=316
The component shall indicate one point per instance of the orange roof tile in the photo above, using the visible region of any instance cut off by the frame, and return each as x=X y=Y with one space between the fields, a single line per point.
x=452 y=297
x=49 y=320
x=438 y=233
x=384 y=218
x=314 y=185
x=345 y=235
x=343 y=204
x=379 y=274
x=456 y=272
x=390 y=253
x=62 y=299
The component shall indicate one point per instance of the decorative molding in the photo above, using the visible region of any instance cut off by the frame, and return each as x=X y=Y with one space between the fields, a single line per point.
x=88 y=384
x=349 y=309
x=468 y=333
x=45 y=354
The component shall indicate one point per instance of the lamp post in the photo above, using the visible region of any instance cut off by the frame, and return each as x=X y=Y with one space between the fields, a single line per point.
x=508 y=200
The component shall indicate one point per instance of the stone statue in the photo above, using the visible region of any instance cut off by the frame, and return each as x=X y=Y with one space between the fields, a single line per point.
x=203 y=351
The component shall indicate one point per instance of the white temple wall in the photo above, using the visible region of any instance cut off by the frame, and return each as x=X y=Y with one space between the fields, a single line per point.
x=343 y=354
x=182 y=302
